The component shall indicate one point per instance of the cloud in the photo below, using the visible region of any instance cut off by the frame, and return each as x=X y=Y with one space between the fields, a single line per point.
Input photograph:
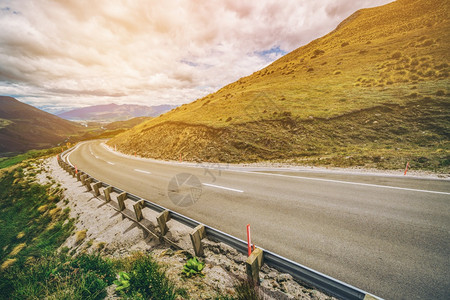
x=77 y=52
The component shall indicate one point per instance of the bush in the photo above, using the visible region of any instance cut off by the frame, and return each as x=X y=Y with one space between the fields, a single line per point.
x=147 y=280
x=396 y=55
x=318 y=52
x=80 y=236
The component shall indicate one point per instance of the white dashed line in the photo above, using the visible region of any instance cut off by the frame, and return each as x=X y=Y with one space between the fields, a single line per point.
x=349 y=182
x=222 y=187
x=110 y=163
x=142 y=171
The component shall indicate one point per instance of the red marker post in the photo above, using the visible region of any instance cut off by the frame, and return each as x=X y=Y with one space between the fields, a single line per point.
x=180 y=157
x=76 y=170
x=249 y=240
x=406 y=169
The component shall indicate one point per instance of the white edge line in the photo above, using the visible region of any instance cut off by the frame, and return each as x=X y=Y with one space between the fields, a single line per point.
x=142 y=171
x=111 y=163
x=348 y=182
x=324 y=180
x=223 y=187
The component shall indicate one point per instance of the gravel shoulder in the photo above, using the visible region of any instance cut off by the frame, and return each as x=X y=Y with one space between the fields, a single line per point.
x=270 y=166
x=111 y=233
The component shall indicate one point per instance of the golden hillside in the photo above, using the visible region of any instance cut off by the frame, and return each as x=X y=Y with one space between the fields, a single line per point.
x=375 y=92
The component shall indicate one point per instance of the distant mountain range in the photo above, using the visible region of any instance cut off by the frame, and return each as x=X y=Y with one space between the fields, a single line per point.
x=24 y=127
x=114 y=112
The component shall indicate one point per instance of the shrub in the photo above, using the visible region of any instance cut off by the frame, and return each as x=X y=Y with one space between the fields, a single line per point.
x=396 y=55
x=318 y=52
x=346 y=44
x=193 y=267
x=80 y=236
x=149 y=281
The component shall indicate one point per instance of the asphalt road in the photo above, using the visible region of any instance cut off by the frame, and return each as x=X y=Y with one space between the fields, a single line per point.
x=387 y=235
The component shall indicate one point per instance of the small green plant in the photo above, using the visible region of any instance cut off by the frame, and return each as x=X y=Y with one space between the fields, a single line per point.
x=123 y=282
x=193 y=267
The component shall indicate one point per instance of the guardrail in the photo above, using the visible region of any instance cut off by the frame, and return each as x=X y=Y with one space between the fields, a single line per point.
x=302 y=273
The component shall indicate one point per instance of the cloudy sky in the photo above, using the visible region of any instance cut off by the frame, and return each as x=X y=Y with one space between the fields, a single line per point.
x=58 y=55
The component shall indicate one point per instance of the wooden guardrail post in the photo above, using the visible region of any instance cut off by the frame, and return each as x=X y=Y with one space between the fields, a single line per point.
x=83 y=179
x=162 y=219
x=87 y=183
x=107 y=191
x=196 y=237
x=253 y=265
x=138 y=206
x=79 y=175
x=121 y=200
x=96 y=186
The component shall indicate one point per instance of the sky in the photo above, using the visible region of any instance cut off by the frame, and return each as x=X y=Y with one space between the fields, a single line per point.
x=59 y=55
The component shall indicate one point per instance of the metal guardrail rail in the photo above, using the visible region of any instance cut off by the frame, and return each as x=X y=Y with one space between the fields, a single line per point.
x=302 y=273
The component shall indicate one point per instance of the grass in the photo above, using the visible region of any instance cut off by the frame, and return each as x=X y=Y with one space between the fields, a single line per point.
x=4 y=123
x=372 y=60
x=10 y=161
x=27 y=228
x=147 y=279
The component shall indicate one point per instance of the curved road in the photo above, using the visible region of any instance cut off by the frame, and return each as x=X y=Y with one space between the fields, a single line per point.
x=388 y=235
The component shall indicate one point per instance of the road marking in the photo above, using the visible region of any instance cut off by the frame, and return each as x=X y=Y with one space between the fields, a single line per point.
x=349 y=182
x=306 y=178
x=223 y=187
x=142 y=171
x=68 y=155
x=110 y=163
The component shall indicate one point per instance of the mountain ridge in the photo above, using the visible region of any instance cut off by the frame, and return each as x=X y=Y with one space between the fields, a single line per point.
x=114 y=112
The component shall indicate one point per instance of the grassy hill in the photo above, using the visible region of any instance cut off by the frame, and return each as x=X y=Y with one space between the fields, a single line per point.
x=24 y=127
x=373 y=92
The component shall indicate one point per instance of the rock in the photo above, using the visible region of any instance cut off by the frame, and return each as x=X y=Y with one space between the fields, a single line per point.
x=284 y=278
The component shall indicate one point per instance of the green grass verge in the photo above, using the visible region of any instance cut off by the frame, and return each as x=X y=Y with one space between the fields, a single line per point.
x=13 y=160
